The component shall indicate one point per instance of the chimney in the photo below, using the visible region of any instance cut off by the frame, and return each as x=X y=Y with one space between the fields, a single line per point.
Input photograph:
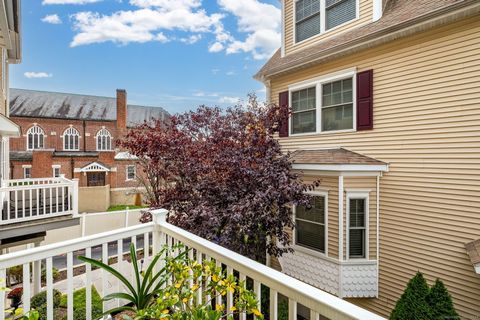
x=121 y=110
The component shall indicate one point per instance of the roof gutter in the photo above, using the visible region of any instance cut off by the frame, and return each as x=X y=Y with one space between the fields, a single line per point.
x=435 y=18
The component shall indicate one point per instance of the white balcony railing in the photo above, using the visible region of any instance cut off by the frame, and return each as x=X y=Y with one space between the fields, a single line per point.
x=31 y=199
x=154 y=236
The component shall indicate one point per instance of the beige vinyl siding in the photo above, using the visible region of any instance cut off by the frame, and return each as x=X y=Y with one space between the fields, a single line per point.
x=366 y=14
x=427 y=127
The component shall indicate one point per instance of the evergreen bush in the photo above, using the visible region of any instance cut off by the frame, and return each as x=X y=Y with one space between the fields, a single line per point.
x=441 y=303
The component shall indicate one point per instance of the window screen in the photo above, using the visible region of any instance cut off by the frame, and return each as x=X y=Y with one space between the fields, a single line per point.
x=307 y=17
x=337 y=105
x=310 y=225
x=339 y=12
x=304 y=111
x=357 y=228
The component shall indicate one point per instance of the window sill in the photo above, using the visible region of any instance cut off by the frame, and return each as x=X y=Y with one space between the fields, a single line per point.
x=322 y=133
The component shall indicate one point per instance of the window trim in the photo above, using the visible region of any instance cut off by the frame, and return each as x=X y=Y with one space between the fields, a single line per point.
x=318 y=82
x=56 y=166
x=134 y=172
x=35 y=125
x=103 y=129
x=70 y=128
x=25 y=167
x=297 y=247
x=323 y=21
x=358 y=194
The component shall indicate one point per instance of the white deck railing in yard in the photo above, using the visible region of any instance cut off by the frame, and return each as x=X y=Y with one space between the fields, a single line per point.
x=161 y=233
x=30 y=199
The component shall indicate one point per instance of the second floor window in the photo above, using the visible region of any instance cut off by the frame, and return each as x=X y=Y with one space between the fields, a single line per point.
x=104 y=140
x=70 y=139
x=35 y=138
x=310 y=229
x=314 y=17
x=27 y=172
x=304 y=111
x=337 y=105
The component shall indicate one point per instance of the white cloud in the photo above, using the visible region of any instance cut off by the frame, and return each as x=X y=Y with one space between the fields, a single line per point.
x=215 y=71
x=216 y=47
x=205 y=94
x=69 y=1
x=261 y=22
x=142 y=24
x=229 y=100
x=231 y=73
x=194 y=38
x=52 y=18
x=257 y=22
x=32 y=75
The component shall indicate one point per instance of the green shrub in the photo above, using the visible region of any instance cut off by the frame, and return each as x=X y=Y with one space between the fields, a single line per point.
x=79 y=305
x=40 y=299
x=419 y=302
x=441 y=302
x=80 y=313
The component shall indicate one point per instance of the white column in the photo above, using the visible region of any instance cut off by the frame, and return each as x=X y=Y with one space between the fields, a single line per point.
x=378 y=234
x=340 y=234
x=75 y=197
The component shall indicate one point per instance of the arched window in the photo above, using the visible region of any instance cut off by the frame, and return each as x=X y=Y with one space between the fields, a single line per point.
x=70 y=139
x=35 y=138
x=104 y=140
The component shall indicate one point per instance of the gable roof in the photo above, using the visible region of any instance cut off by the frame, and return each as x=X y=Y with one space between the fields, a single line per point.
x=43 y=104
x=397 y=21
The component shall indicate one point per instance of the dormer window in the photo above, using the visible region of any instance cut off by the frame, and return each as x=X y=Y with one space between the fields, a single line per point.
x=314 y=17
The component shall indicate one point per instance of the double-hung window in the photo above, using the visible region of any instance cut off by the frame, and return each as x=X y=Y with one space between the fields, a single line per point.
x=56 y=170
x=357 y=226
x=314 y=17
x=27 y=172
x=304 y=110
x=337 y=105
x=310 y=224
x=131 y=172
x=323 y=105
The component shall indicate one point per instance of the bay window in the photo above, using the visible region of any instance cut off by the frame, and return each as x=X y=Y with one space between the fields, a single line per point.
x=310 y=224
x=314 y=17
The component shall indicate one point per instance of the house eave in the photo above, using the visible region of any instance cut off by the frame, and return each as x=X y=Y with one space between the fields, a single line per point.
x=436 y=18
x=341 y=167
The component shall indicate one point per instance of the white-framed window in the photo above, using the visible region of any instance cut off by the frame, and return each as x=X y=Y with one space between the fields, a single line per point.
x=131 y=172
x=27 y=171
x=104 y=140
x=314 y=17
x=311 y=225
x=71 y=138
x=324 y=105
x=35 y=138
x=357 y=225
x=56 y=170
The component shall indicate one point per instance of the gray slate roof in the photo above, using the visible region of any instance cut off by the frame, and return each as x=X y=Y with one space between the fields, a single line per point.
x=43 y=104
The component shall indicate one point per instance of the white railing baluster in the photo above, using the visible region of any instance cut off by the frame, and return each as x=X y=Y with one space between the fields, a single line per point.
x=70 y=285
x=48 y=267
x=23 y=204
x=3 y=277
x=105 y=275
x=199 y=279
x=56 y=200
x=229 y=294
x=146 y=247
x=16 y=203
x=257 y=288
x=207 y=281
x=292 y=309
x=88 y=283
x=30 y=201
x=274 y=305
x=37 y=197
x=219 y=299
x=26 y=288
x=44 y=194
x=190 y=273
x=243 y=278
x=119 y=266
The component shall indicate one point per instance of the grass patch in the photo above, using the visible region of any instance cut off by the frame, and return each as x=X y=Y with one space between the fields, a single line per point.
x=124 y=207
x=79 y=304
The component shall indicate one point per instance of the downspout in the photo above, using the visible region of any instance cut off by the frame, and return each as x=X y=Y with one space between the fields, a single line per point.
x=72 y=166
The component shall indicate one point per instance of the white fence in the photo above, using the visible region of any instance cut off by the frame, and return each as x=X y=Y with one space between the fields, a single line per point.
x=162 y=233
x=31 y=199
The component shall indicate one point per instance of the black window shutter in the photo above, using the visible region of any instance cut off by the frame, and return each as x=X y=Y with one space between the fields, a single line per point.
x=283 y=101
x=365 y=100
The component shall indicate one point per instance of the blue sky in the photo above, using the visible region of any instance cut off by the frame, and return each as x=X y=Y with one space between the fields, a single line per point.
x=177 y=54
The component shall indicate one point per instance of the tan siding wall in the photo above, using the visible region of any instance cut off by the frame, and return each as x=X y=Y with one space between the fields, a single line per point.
x=427 y=121
x=366 y=12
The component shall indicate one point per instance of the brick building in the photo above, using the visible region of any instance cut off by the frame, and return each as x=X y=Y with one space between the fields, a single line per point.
x=75 y=135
